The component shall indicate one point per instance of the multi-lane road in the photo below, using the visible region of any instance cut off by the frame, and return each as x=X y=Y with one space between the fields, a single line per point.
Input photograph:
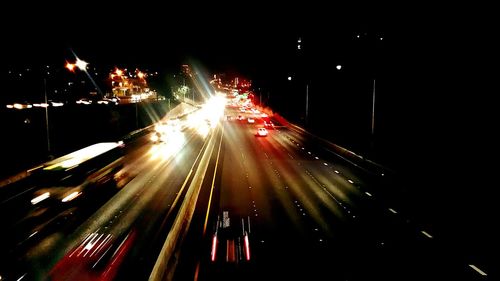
x=281 y=207
x=307 y=215
x=113 y=226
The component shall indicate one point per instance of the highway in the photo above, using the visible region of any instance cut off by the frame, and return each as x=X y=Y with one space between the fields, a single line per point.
x=98 y=235
x=281 y=206
x=307 y=214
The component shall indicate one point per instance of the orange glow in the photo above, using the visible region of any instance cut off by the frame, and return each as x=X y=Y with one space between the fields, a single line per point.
x=119 y=72
x=70 y=66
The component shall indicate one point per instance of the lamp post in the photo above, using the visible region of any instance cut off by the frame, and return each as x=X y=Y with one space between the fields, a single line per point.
x=46 y=115
x=307 y=103
x=82 y=65
x=373 y=110
x=289 y=78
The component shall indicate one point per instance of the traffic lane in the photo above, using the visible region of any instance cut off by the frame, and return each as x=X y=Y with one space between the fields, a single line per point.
x=29 y=219
x=382 y=240
x=16 y=202
x=194 y=255
x=321 y=238
x=235 y=195
x=123 y=208
x=325 y=176
x=278 y=224
x=156 y=217
x=346 y=248
x=234 y=202
x=390 y=230
x=248 y=171
x=40 y=221
x=310 y=155
x=235 y=189
x=387 y=188
x=358 y=238
x=322 y=153
x=29 y=213
x=350 y=194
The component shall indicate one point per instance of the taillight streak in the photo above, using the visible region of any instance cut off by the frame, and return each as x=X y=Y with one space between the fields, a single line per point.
x=247 y=248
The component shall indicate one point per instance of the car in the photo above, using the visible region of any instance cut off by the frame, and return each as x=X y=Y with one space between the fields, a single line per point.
x=262 y=132
x=158 y=137
x=98 y=257
x=269 y=124
x=231 y=240
x=250 y=120
x=240 y=117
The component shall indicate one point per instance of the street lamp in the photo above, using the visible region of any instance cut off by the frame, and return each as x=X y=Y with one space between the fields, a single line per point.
x=307 y=100
x=70 y=66
x=82 y=65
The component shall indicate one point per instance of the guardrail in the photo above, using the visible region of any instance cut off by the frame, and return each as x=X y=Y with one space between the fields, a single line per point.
x=164 y=267
x=350 y=156
x=126 y=138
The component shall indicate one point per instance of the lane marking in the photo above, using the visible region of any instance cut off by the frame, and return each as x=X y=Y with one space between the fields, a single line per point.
x=478 y=270
x=393 y=211
x=426 y=234
x=368 y=193
x=178 y=194
x=213 y=183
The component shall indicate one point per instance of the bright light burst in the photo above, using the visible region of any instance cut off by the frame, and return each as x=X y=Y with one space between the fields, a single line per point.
x=82 y=65
x=174 y=141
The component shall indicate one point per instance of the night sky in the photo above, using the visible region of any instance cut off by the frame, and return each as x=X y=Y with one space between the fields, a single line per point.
x=430 y=90
x=428 y=62
x=219 y=36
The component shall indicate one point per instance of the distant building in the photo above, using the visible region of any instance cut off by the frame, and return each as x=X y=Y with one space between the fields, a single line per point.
x=131 y=87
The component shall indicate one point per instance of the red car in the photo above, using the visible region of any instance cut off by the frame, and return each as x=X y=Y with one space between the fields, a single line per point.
x=97 y=258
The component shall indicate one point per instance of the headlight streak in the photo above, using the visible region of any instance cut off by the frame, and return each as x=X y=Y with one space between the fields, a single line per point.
x=40 y=198
x=71 y=196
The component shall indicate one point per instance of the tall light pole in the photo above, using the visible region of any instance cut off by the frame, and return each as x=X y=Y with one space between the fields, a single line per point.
x=307 y=103
x=82 y=65
x=373 y=110
x=46 y=114
x=374 y=75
